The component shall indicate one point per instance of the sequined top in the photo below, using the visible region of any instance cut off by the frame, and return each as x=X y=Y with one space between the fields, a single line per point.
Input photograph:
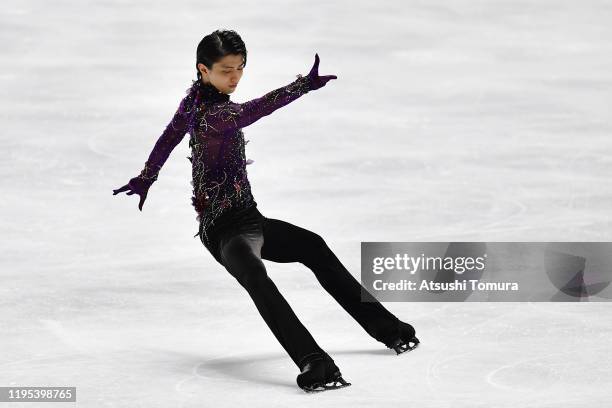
x=217 y=145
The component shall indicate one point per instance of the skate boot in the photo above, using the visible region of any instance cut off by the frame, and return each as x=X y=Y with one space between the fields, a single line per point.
x=407 y=341
x=321 y=374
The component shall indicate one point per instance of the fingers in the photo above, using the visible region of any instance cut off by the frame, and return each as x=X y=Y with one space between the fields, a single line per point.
x=323 y=80
x=142 y=200
x=127 y=187
x=314 y=72
x=315 y=67
x=328 y=77
x=122 y=189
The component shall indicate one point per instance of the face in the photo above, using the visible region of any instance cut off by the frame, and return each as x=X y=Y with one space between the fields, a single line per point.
x=225 y=73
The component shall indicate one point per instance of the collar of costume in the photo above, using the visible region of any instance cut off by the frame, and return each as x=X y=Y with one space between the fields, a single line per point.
x=211 y=94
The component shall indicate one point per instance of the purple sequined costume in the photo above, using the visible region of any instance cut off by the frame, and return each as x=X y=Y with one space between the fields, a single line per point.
x=217 y=145
x=222 y=198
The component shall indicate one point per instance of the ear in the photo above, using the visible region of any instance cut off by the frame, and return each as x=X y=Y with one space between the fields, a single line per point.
x=203 y=70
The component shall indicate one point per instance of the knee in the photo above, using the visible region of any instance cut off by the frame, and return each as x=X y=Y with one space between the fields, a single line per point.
x=312 y=240
x=250 y=275
x=246 y=268
x=253 y=279
x=316 y=248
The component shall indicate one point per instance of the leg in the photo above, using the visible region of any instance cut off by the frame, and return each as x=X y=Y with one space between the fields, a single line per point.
x=241 y=257
x=285 y=242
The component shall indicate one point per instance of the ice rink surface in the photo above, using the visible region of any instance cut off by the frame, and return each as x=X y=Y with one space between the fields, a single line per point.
x=449 y=121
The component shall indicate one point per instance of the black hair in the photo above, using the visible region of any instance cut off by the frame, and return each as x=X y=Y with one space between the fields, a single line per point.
x=217 y=45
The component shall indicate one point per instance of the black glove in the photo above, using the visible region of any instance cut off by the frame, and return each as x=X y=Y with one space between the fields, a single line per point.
x=138 y=185
x=317 y=81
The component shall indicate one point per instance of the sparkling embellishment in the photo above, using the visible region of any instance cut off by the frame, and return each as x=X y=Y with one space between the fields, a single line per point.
x=217 y=144
x=218 y=148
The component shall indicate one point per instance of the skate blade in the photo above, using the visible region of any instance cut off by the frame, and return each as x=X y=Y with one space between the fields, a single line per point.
x=332 y=385
x=404 y=347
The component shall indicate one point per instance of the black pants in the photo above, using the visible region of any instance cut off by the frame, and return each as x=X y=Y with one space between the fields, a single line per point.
x=243 y=238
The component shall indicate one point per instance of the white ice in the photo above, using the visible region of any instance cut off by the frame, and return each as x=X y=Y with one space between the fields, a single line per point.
x=449 y=121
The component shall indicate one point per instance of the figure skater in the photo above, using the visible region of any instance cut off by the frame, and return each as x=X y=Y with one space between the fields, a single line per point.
x=231 y=227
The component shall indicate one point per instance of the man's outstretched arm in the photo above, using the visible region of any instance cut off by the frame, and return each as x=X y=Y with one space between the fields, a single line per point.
x=225 y=116
x=169 y=139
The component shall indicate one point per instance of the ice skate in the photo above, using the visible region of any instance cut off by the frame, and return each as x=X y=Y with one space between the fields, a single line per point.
x=321 y=374
x=407 y=340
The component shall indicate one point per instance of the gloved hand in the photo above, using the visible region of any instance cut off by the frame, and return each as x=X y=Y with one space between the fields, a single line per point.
x=317 y=81
x=138 y=185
